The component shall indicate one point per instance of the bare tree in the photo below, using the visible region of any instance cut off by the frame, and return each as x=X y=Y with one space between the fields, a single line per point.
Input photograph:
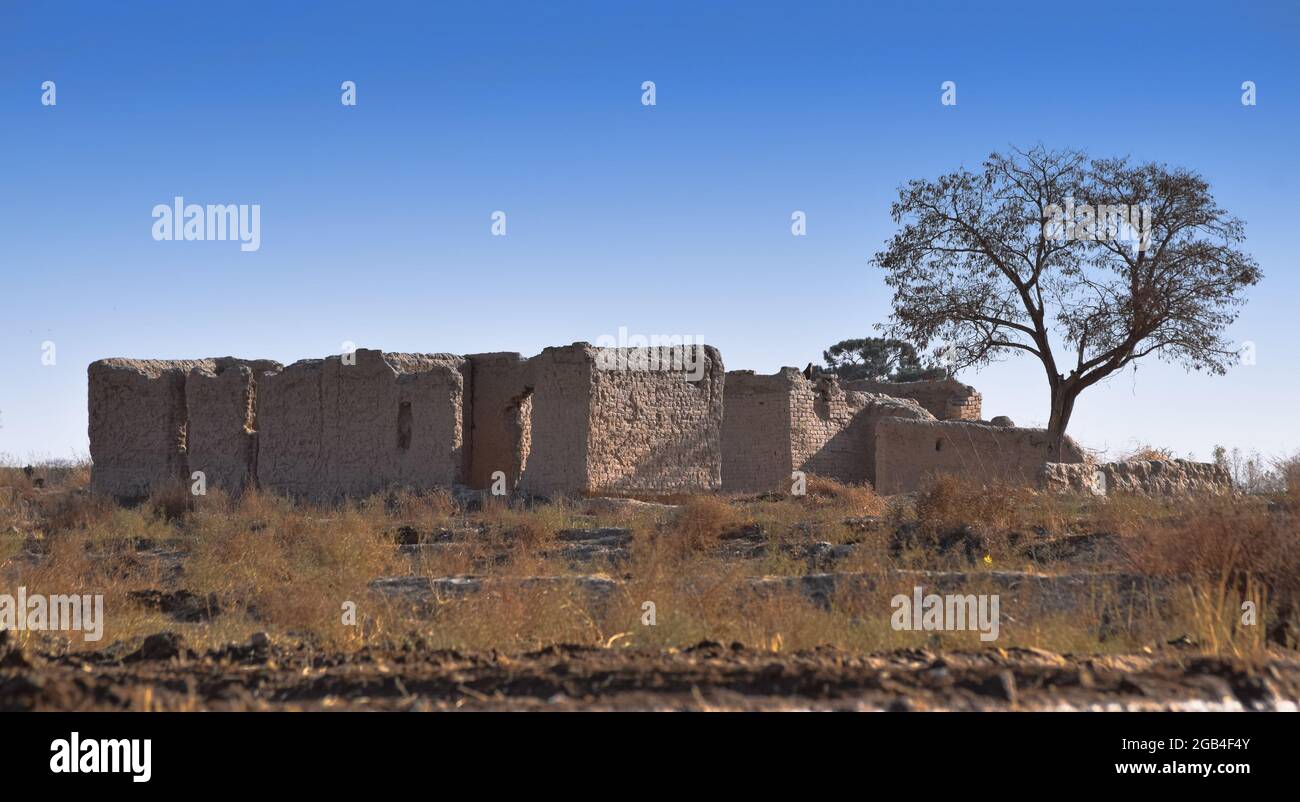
x=1088 y=264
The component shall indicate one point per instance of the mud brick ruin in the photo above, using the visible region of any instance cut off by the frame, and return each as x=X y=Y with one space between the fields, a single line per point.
x=568 y=421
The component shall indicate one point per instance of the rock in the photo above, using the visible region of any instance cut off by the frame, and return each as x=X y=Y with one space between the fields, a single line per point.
x=600 y=504
x=422 y=590
x=1003 y=420
x=11 y=653
x=180 y=605
x=1001 y=686
x=1072 y=477
x=158 y=646
x=601 y=536
x=1173 y=477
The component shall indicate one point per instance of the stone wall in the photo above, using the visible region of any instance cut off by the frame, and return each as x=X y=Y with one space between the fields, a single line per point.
x=560 y=422
x=945 y=399
x=908 y=452
x=774 y=425
x=1175 y=477
x=1083 y=478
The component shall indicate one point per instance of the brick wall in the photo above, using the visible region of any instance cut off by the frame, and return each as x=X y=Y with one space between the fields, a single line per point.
x=327 y=429
x=773 y=425
x=655 y=430
x=501 y=389
x=137 y=424
x=756 y=452
x=910 y=451
x=221 y=424
x=946 y=399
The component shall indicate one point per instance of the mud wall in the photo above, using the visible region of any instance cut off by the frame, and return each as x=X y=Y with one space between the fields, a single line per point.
x=1175 y=477
x=501 y=389
x=137 y=424
x=221 y=430
x=910 y=451
x=560 y=424
x=658 y=428
x=784 y=422
x=756 y=453
x=328 y=429
x=945 y=399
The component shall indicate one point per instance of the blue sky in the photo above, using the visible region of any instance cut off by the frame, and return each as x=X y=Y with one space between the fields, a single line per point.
x=671 y=219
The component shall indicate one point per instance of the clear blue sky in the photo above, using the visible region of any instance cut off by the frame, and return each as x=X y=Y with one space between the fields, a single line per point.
x=666 y=219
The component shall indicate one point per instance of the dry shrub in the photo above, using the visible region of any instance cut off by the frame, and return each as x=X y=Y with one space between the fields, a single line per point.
x=421 y=505
x=949 y=502
x=855 y=499
x=1149 y=452
x=700 y=522
x=1126 y=514
x=171 y=502
x=1222 y=552
x=521 y=528
x=77 y=510
x=290 y=569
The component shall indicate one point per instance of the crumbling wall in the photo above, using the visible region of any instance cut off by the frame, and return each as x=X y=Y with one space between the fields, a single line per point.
x=834 y=430
x=784 y=422
x=877 y=409
x=945 y=399
x=330 y=429
x=137 y=423
x=655 y=427
x=1082 y=478
x=910 y=451
x=560 y=421
x=221 y=433
x=756 y=452
x=1175 y=477
x=501 y=390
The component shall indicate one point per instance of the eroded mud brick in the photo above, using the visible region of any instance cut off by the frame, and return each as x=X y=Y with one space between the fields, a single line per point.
x=222 y=429
x=775 y=425
x=329 y=429
x=137 y=424
x=910 y=451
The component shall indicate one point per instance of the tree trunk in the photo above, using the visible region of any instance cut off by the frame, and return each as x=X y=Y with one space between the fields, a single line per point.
x=1062 y=407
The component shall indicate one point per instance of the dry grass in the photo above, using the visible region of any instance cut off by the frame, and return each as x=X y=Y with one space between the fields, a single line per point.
x=291 y=569
x=1224 y=552
x=1149 y=452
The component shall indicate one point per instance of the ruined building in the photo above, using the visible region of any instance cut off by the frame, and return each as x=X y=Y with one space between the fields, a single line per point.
x=352 y=425
x=570 y=420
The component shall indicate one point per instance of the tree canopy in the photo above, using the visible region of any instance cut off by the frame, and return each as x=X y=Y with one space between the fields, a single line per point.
x=1087 y=264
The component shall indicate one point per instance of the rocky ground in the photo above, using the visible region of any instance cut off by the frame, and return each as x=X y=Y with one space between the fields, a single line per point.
x=163 y=674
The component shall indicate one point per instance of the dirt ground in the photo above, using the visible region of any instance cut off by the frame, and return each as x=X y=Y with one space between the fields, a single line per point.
x=165 y=675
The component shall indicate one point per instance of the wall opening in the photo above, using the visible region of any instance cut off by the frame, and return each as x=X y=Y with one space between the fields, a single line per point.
x=404 y=426
x=519 y=428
